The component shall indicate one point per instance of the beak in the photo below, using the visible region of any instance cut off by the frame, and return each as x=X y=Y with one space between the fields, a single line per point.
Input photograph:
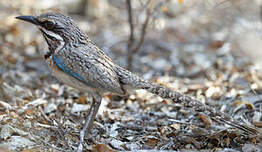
x=30 y=19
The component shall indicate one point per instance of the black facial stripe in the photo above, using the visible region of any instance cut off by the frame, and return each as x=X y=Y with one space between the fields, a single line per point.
x=46 y=35
x=52 y=42
x=48 y=54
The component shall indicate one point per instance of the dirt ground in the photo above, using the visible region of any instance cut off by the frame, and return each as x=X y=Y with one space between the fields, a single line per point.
x=209 y=49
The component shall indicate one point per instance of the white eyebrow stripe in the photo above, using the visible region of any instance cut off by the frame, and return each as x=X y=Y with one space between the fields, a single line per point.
x=56 y=36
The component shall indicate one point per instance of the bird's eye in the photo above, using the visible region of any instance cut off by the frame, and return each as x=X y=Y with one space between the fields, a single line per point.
x=49 y=25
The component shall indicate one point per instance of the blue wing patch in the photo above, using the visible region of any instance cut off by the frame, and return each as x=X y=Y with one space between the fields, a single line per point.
x=59 y=62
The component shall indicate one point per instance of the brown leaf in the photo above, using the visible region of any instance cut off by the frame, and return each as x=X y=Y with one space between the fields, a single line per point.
x=180 y=1
x=258 y=124
x=216 y=44
x=152 y=142
x=254 y=140
x=82 y=100
x=102 y=148
x=164 y=9
x=205 y=119
x=164 y=101
x=247 y=104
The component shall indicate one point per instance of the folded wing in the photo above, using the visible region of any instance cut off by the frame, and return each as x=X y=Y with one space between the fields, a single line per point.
x=90 y=66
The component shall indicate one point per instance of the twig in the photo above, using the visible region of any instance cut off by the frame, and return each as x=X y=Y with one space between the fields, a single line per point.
x=43 y=114
x=261 y=12
x=135 y=49
x=131 y=24
x=132 y=50
x=144 y=27
x=50 y=145
x=7 y=106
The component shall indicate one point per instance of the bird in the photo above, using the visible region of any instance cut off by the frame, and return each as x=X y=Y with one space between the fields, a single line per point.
x=77 y=62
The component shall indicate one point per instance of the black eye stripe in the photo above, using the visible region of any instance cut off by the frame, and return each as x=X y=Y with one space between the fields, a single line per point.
x=49 y=24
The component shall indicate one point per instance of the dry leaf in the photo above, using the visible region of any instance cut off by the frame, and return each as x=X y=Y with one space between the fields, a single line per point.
x=152 y=142
x=247 y=104
x=82 y=100
x=180 y=1
x=258 y=124
x=205 y=119
x=102 y=148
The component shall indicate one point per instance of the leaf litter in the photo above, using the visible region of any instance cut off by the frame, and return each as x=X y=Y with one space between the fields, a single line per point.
x=198 y=57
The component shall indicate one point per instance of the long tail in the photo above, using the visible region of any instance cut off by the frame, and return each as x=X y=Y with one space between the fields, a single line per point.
x=130 y=79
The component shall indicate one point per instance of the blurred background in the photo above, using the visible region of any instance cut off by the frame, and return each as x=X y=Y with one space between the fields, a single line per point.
x=207 y=48
x=183 y=38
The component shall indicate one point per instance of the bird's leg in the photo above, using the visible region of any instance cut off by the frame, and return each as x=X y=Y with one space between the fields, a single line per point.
x=90 y=119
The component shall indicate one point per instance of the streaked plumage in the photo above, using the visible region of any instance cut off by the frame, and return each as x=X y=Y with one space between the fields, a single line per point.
x=76 y=61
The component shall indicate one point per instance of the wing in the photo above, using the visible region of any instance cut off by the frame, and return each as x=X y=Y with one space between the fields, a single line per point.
x=89 y=65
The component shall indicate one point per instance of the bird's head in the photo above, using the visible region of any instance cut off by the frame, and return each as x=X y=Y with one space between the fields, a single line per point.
x=57 y=29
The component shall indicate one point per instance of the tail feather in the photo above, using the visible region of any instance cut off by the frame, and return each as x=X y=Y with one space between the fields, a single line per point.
x=130 y=79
